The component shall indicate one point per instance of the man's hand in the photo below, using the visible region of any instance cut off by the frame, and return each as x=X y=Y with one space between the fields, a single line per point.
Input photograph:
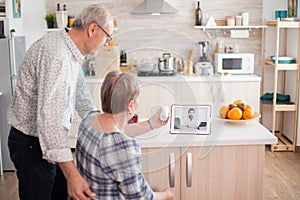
x=167 y=194
x=78 y=187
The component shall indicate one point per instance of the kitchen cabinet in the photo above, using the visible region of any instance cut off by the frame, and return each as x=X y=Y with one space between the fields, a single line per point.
x=227 y=164
x=219 y=172
x=286 y=81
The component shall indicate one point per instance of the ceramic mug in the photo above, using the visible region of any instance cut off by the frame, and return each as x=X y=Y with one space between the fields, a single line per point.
x=280 y=14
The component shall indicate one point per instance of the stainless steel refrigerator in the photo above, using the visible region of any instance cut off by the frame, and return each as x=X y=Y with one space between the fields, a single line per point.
x=12 y=51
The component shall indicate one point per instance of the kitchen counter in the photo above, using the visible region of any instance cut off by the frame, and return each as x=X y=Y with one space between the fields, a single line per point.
x=183 y=78
x=222 y=134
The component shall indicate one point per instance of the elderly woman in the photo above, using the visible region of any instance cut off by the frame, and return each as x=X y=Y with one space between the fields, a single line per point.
x=107 y=157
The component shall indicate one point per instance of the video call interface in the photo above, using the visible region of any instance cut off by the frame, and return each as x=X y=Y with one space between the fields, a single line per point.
x=190 y=118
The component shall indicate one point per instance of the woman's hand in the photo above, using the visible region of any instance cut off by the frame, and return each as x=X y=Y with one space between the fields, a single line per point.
x=155 y=120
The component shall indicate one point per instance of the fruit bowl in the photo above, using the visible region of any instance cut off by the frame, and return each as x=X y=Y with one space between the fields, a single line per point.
x=256 y=116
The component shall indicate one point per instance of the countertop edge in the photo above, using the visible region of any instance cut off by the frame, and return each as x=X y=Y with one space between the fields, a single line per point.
x=179 y=78
x=228 y=135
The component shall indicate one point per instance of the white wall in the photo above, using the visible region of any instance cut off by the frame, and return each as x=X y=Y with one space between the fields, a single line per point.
x=34 y=24
x=31 y=23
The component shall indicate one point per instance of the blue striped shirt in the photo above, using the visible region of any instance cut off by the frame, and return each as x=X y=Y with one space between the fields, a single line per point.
x=111 y=163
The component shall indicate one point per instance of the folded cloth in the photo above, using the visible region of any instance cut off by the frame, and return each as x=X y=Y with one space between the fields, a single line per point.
x=279 y=97
x=277 y=102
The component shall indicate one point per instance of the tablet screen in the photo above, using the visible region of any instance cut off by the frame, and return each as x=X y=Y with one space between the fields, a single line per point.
x=191 y=119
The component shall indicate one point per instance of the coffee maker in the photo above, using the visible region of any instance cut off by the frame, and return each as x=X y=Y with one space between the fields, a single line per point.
x=204 y=66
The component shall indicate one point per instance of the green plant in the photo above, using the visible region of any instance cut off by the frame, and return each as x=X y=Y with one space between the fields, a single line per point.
x=12 y=30
x=49 y=17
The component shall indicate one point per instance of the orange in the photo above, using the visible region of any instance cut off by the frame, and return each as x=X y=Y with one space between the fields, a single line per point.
x=248 y=113
x=235 y=113
x=249 y=106
x=223 y=111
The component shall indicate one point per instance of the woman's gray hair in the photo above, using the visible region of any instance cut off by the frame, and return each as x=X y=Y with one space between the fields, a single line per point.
x=93 y=14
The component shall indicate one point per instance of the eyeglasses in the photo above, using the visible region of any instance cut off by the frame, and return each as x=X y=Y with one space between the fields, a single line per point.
x=109 y=36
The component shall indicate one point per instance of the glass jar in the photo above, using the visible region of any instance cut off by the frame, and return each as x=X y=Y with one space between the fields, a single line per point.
x=230 y=20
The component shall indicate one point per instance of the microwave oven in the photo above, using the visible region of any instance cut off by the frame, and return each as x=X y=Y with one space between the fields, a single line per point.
x=234 y=63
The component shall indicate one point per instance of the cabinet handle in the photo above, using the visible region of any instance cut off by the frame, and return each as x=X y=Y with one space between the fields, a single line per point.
x=172 y=170
x=213 y=93
x=189 y=169
x=223 y=94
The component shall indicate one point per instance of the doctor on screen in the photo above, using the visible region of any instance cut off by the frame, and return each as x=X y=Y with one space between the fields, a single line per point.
x=190 y=120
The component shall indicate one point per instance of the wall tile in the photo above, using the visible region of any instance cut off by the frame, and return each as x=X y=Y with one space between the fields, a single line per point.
x=149 y=36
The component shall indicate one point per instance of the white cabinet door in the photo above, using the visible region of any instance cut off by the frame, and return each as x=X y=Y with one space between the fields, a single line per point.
x=161 y=168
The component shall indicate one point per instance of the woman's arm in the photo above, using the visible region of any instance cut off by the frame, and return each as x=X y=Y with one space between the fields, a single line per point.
x=136 y=129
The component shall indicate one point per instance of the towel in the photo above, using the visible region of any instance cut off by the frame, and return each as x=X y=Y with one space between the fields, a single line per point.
x=279 y=97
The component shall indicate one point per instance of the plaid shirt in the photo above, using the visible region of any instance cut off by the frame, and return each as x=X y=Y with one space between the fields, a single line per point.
x=111 y=163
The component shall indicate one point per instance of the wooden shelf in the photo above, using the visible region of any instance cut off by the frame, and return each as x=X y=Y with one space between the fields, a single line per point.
x=283 y=144
x=283 y=24
x=230 y=27
x=281 y=107
x=293 y=66
x=285 y=107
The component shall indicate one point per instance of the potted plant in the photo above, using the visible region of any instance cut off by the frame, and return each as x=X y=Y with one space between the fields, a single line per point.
x=12 y=32
x=50 y=20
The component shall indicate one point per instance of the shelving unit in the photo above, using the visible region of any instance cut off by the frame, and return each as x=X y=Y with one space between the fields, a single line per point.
x=230 y=27
x=280 y=71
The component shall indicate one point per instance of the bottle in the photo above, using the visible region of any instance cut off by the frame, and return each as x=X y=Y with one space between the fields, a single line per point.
x=64 y=7
x=58 y=7
x=123 y=61
x=91 y=68
x=198 y=15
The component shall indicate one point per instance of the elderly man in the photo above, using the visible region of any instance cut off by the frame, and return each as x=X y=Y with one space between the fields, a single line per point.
x=49 y=88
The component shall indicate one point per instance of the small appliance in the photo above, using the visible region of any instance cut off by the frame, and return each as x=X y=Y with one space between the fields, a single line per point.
x=204 y=51
x=234 y=63
x=204 y=66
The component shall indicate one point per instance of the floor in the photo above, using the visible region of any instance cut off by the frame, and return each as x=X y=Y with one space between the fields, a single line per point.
x=281 y=181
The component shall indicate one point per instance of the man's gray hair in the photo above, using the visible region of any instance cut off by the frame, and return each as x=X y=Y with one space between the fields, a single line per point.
x=92 y=14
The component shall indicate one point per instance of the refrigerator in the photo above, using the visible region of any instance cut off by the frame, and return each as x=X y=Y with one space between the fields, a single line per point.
x=12 y=51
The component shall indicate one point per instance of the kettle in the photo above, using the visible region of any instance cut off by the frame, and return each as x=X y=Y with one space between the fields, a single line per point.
x=166 y=63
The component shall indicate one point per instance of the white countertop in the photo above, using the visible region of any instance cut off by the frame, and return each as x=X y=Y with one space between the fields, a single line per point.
x=223 y=133
x=183 y=78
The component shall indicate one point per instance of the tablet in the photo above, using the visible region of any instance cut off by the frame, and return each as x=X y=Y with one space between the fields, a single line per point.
x=191 y=119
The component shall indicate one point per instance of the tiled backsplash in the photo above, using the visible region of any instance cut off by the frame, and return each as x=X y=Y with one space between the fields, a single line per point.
x=147 y=36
